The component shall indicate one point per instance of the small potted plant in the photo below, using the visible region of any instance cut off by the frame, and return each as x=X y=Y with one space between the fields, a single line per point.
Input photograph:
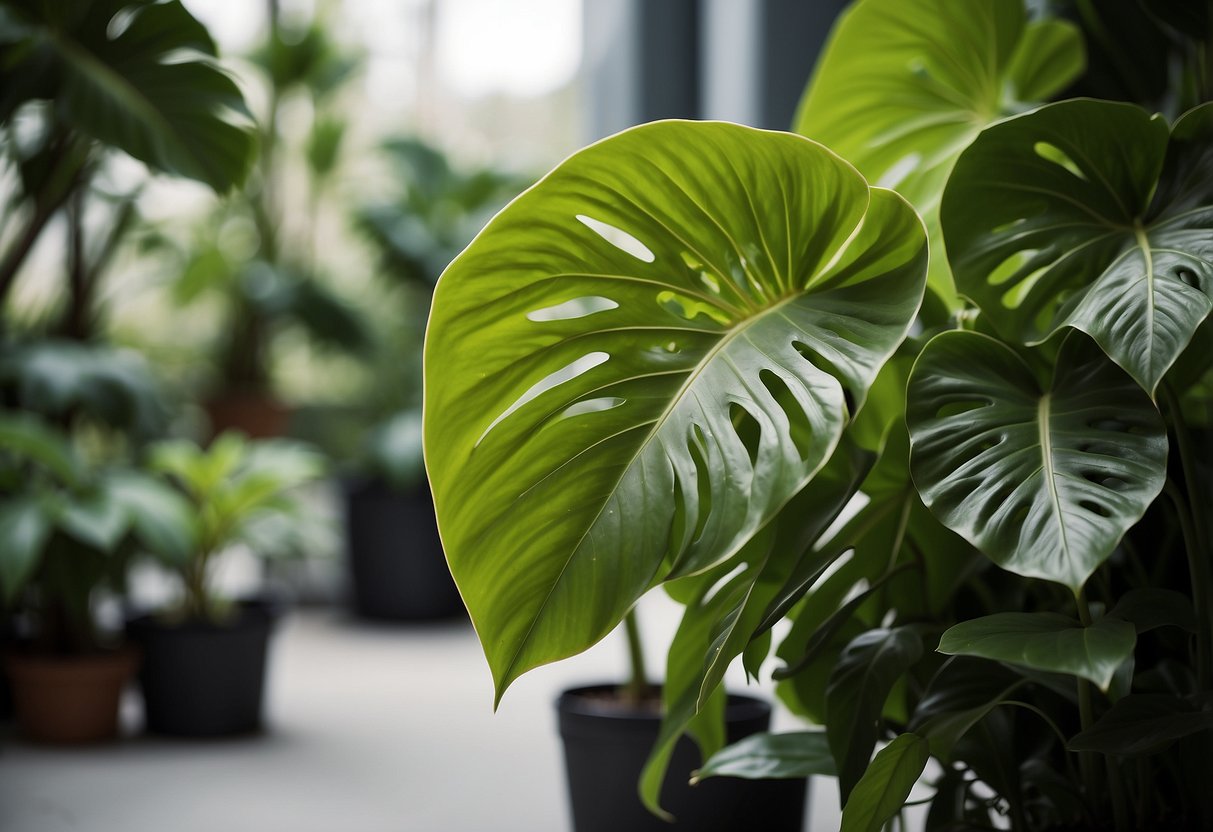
x=67 y=530
x=205 y=658
x=396 y=564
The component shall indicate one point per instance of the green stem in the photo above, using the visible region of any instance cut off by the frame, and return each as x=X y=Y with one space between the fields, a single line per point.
x=637 y=687
x=1116 y=787
x=1192 y=519
x=1086 y=717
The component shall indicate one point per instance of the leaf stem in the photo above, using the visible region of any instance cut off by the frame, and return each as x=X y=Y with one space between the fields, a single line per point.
x=1086 y=718
x=1192 y=521
x=637 y=687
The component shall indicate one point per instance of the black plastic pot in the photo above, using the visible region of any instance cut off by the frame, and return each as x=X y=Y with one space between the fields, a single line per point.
x=397 y=568
x=605 y=749
x=201 y=679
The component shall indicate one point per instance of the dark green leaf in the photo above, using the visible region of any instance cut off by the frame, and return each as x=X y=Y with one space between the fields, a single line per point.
x=759 y=756
x=95 y=518
x=29 y=439
x=1143 y=724
x=961 y=694
x=862 y=679
x=140 y=86
x=1147 y=609
x=1044 y=482
x=1092 y=215
x=886 y=784
x=1045 y=641
x=25 y=527
x=904 y=86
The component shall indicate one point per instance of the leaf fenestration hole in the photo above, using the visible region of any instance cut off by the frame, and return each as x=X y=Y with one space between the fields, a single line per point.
x=696 y=445
x=597 y=405
x=689 y=309
x=1010 y=267
x=826 y=366
x=800 y=430
x=1053 y=153
x=1014 y=296
x=570 y=309
x=566 y=373
x=747 y=428
x=1094 y=508
x=619 y=238
x=1185 y=275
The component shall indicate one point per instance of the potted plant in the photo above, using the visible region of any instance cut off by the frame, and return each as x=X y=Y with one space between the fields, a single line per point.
x=67 y=530
x=255 y=260
x=204 y=659
x=92 y=79
x=651 y=359
x=396 y=564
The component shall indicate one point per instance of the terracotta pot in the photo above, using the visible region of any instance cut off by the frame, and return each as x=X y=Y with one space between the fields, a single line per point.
x=256 y=414
x=69 y=700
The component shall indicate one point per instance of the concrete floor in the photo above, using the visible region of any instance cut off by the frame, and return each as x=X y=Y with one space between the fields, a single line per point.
x=371 y=729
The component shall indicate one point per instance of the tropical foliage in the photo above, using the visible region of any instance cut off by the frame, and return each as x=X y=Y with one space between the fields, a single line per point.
x=709 y=357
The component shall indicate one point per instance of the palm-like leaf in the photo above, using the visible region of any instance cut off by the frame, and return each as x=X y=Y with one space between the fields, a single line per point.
x=644 y=357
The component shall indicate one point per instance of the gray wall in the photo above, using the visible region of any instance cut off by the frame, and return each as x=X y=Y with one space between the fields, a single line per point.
x=738 y=60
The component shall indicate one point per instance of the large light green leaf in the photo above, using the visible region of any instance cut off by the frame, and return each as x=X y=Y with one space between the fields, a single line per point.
x=905 y=85
x=1045 y=641
x=641 y=360
x=134 y=74
x=1093 y=215
x=886 y=784
x=761 y=756
x=1044 y=482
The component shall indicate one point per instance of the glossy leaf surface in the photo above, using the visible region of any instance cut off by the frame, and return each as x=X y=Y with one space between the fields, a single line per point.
x=641 y=360
x=905 y=85
x=1092 y=215
x=758 y=756
x=859 y=685
x=1045 y=641
x=1044 y=482
x=725 y=605
x=886 y=784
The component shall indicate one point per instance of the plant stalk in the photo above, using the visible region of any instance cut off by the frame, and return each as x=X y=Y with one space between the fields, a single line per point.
x=1086 y=718
x=637 y=688
x=1192 y=519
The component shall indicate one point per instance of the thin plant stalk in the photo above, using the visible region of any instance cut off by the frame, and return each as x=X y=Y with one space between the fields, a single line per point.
x=637 y=688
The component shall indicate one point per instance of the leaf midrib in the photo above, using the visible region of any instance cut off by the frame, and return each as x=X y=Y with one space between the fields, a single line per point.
x=727 y=338
x=1047 y=465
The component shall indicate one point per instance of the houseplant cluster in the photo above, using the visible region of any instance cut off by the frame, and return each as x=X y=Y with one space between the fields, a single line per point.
x=927 y=380
x=97 y=481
